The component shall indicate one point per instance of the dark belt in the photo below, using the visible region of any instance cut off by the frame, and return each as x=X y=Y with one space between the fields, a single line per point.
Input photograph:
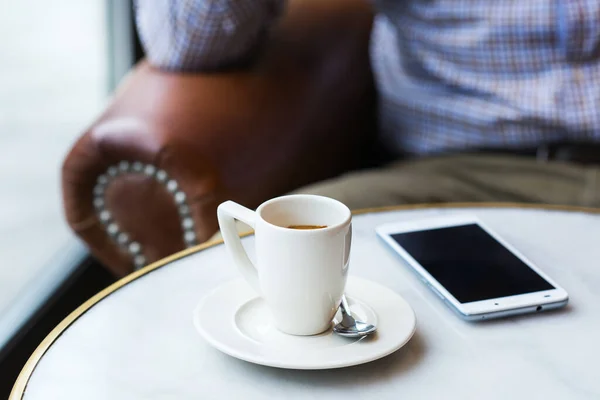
x=577 y=153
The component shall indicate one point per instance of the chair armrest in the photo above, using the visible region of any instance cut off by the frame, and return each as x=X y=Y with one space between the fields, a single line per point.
x=304 y=111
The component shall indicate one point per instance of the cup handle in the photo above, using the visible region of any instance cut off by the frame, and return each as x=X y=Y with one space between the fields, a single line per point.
x=227 y=213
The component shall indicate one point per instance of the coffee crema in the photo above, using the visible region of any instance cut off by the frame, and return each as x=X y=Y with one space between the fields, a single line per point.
x=306 y=227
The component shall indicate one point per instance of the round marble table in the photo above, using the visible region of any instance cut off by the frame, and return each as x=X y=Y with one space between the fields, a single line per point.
x=136 y=340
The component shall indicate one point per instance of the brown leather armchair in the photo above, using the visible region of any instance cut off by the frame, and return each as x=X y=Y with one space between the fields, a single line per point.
x=145 y=179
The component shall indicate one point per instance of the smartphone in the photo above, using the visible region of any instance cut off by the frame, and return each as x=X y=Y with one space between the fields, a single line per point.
x=471 y=268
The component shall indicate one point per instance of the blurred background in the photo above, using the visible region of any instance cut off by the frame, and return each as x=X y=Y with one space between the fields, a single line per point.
x=59 y=63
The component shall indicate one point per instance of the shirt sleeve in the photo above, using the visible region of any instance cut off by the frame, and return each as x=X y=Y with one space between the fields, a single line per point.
x=202 y=34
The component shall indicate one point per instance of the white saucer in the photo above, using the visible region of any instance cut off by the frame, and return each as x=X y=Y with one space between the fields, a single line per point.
x=233 y=319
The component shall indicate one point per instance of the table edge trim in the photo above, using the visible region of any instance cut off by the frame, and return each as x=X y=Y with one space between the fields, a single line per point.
x=20 y=385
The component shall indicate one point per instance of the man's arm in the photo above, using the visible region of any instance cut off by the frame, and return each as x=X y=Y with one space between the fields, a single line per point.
x=203 y=34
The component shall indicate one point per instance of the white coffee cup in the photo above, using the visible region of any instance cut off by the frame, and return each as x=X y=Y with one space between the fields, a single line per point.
x=301 y=273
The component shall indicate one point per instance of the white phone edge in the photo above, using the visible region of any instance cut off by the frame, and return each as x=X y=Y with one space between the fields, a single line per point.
x=479 y=310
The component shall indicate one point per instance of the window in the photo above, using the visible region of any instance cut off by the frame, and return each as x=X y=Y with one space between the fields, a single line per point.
x=55 y=73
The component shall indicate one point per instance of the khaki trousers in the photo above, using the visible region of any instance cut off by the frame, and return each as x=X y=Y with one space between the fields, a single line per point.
x=466 y=178
x=463 y=178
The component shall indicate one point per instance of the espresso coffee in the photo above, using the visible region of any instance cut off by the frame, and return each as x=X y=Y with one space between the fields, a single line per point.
x=305 y=227
x=302 y=250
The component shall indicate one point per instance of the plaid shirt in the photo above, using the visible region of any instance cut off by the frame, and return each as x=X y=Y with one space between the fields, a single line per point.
x=452 y=75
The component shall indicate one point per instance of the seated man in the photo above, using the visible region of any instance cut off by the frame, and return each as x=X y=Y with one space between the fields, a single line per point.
x=474 y=96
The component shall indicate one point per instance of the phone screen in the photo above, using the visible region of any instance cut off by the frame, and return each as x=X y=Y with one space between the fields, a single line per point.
x=470 y=263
